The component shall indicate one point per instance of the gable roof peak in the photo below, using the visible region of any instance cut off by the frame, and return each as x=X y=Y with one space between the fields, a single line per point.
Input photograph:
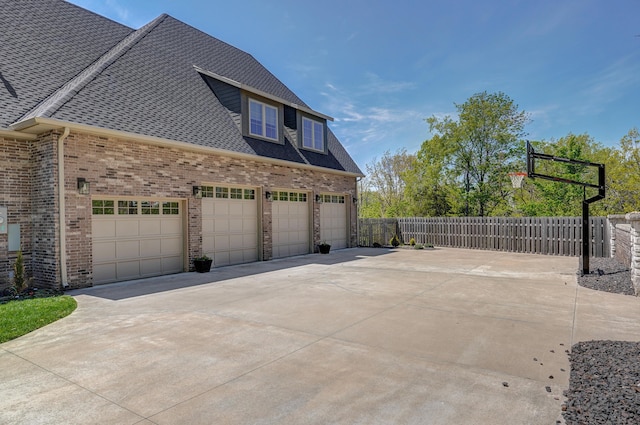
x=55 y=100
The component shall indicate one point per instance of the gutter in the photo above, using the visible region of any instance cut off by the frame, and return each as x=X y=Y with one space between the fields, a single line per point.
x=39 y=125
x=63 y=215
x=11 y=134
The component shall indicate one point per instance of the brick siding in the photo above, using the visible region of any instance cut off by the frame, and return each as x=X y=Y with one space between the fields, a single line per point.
x=117 y=167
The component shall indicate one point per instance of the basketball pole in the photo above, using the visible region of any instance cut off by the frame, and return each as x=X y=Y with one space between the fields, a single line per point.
x=532 y=155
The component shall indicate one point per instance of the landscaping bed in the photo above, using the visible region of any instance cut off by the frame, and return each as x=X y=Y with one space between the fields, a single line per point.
x=9 y=294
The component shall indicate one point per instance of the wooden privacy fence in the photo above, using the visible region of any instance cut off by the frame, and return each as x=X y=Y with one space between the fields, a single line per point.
x=537 y=235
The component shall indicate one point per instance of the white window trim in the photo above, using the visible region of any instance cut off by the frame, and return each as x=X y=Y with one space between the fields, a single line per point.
x=264 y=107
x=313 y=135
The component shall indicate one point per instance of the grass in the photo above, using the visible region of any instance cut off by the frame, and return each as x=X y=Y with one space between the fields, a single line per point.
x=20 y=317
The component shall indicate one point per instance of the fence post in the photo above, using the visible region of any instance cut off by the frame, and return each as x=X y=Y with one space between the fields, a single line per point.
x=634 y=220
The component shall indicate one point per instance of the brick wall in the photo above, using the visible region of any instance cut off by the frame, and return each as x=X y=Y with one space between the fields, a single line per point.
x=116 y=167
x=15 y=180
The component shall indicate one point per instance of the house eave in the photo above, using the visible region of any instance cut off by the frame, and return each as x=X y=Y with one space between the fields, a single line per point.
x=29 y=129
x=11 y=134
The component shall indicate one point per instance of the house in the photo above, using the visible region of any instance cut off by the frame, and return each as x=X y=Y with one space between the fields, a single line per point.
x=126 y=153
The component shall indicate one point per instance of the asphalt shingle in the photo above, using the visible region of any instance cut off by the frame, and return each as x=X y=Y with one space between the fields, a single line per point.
x=147 y=85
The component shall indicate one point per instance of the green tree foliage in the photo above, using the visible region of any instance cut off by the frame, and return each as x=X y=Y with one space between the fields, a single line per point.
x=473 y=155
x=429 y=181
x=385 y=193
x=546 y=198
x=623 y=174
x=463 y=170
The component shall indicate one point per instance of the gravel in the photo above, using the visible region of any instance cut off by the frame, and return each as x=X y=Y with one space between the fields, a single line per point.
x=604 y=385
x=606 y=274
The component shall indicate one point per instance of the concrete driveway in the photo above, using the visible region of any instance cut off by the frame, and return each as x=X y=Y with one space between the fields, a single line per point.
x=359 y=336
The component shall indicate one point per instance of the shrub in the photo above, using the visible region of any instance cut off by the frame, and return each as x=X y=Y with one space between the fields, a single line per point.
x=19 y=278
x=412 y=241
x=418 y=246
x=394 y=241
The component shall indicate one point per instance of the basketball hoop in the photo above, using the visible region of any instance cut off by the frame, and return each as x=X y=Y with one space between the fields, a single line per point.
x=516 y=179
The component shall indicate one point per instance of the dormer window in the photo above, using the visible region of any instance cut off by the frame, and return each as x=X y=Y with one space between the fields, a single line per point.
x=263 y=120
x=312 y=134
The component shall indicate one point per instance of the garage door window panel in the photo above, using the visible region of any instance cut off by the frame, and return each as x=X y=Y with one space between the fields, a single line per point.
x=103 y=207
x=150 y=207
x=127 y=207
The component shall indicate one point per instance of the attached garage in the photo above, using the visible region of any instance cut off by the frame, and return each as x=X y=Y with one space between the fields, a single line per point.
x=136 y=238
x=291 y=223
x=333 y=220
x=229 y=224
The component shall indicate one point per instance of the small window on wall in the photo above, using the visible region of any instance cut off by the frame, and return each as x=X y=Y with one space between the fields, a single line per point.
x=283 y=196
x=150 y=207
x=263 y=120
x=127 y=207
x=312 y=134
x=170 y=208
x=249 y=194
x=103 y=207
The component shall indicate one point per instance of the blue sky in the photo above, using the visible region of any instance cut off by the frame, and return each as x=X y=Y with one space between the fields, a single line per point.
x=381 y=67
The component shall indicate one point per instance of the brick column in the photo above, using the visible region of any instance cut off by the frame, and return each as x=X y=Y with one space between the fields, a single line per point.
x=614 y=220
x=634 y=220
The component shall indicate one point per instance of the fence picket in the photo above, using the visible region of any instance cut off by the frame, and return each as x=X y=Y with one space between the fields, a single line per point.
x=538 y=235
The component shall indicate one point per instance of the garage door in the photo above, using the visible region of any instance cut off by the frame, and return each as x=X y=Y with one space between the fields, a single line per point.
x=136 y=238
x=333 y=221
x=290 y=212
x=229 y=224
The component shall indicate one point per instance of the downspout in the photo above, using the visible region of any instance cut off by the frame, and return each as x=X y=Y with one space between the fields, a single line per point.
x=63 y=215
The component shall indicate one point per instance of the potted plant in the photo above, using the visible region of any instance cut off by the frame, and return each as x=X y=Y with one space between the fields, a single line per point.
x=324 y=247
x=202 y=263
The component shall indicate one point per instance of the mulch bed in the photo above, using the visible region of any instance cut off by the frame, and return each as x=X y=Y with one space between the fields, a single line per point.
x=604 y=385
x=32 y=292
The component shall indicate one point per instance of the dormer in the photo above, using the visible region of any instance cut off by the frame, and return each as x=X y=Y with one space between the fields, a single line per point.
x=260 y=115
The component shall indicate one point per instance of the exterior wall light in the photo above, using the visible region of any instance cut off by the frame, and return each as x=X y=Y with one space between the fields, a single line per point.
x=355 y=200
x=83 y=186
x=197 y=192
x=319 y=199
x=268 y=195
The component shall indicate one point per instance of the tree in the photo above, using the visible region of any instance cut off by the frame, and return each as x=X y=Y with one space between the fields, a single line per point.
x=428 y=183
x=549 y=198
x=386 y=178
x=623 y=175
x=482 y=145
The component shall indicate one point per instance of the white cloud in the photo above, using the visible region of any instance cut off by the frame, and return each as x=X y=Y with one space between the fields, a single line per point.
x=121 y=11
x=612 y=82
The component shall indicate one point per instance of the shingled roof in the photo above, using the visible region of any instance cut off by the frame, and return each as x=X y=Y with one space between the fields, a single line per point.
x=148 y=81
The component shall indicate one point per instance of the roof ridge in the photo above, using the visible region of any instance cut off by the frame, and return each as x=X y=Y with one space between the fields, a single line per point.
x=54 y=101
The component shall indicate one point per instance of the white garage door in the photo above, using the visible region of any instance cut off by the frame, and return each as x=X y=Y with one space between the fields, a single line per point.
x=229 y=224
x=333 y=221
x=290 y=212
x=136 y=238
